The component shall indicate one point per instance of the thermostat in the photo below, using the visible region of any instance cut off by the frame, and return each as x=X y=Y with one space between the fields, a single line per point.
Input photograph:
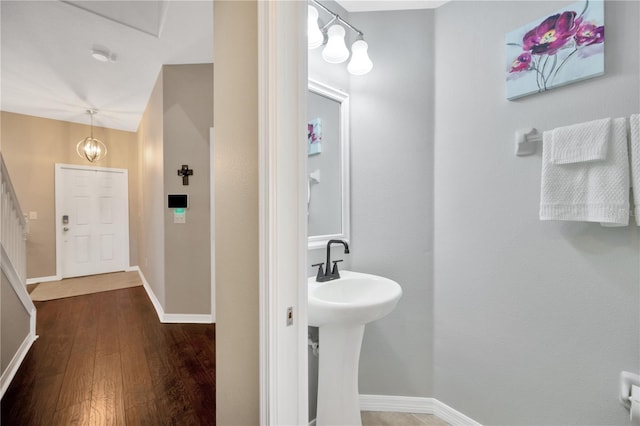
x=178 y=201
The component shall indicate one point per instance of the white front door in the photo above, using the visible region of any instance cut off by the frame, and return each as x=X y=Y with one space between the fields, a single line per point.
x=92 y=220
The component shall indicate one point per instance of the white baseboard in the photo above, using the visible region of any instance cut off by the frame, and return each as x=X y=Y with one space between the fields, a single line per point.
x=398 y=404
x=16 y=361
x=51 y=278
x=406 y=404
x=39 y=280
x=171 y=318
x=152 y=296
x=188 y=318
x=453 y=417
x=17 y=283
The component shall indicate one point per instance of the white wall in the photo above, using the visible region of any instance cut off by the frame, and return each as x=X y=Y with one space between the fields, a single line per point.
x=533 y=320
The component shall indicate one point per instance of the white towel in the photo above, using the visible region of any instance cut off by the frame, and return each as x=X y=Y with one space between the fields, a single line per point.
x=580 y=142
x=596 y=191
x=634 y=142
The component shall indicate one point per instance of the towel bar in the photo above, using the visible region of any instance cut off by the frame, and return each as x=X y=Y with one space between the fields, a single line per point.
x=526 y=141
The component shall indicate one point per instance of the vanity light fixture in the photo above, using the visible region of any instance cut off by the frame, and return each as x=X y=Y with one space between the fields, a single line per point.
x=335 y=50
x=315 y=36
x=91 y=148
x=360 y=63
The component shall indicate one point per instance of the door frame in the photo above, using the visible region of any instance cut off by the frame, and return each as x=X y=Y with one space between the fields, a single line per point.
x=212 y=224
x=58 y=205
x=282 y=94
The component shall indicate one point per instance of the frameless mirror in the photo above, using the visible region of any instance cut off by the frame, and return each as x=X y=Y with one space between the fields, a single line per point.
x=327 y=164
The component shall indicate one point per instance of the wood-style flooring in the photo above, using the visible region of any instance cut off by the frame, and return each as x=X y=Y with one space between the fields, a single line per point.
x=105 y=359
x=371 y=418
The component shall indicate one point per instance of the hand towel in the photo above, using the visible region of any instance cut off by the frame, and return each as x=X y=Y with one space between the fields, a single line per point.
x=634 y=143
x=581 y=142
x=595 y=191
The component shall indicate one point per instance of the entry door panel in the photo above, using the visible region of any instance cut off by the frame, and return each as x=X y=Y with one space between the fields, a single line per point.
x=95 y=239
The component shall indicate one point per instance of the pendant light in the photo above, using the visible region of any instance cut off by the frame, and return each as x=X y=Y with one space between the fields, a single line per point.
x=91 y=148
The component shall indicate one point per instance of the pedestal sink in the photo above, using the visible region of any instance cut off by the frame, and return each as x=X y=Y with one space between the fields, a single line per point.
x=341 y=308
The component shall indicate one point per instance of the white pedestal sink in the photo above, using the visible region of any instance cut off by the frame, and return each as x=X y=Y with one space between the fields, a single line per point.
x=341 y=308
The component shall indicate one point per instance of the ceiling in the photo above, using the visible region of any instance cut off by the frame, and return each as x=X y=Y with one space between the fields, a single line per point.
x=47 y=70
x=377 y=5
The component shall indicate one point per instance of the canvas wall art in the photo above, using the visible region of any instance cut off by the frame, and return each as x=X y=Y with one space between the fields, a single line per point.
x=314 y=136
x=562 y=48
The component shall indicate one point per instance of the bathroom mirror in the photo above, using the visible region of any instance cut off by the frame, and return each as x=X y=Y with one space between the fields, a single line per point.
x=327 y=164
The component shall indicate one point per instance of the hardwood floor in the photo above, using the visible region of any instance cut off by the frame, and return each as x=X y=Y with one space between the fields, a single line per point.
x=105 y=359
x=371 y=418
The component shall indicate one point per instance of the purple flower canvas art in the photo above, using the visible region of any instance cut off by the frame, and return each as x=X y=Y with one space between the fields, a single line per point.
x=314 y=136
x=565 y=47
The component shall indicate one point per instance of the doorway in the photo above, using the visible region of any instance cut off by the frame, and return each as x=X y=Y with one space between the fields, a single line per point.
x=92 y=220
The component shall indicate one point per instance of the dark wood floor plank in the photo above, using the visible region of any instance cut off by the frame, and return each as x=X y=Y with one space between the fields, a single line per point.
x=138 y=387
x=37 y=406
x=76 y=414
x=78 y=378
x=105 y=359
x=196 y=378
x=107 y=395
x=108 y=341
x=173 y=402
x=143 y=414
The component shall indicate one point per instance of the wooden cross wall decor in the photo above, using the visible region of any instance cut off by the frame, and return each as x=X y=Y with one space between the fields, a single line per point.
x=185 y=172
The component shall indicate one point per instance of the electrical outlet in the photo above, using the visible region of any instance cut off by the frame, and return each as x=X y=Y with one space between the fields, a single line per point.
x=289 y=316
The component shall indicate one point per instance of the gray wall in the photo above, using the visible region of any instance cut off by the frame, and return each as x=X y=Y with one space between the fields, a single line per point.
x=336 y=76
x=151 y=167
x=392 y=196
x=174 y=130
x=14 y=322
x=188 y=116
x=533 y=320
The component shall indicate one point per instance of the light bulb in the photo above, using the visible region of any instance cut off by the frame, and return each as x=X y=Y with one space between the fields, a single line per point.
x=360 y=63
x=92 y=149
x=335 y=51
x=314 y=35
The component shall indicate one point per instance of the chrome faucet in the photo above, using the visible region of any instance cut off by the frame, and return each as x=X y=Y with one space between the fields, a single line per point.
x=325 y=275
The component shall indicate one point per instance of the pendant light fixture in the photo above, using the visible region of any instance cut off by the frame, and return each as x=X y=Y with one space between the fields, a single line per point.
x=91 y=148
x=335 y=50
